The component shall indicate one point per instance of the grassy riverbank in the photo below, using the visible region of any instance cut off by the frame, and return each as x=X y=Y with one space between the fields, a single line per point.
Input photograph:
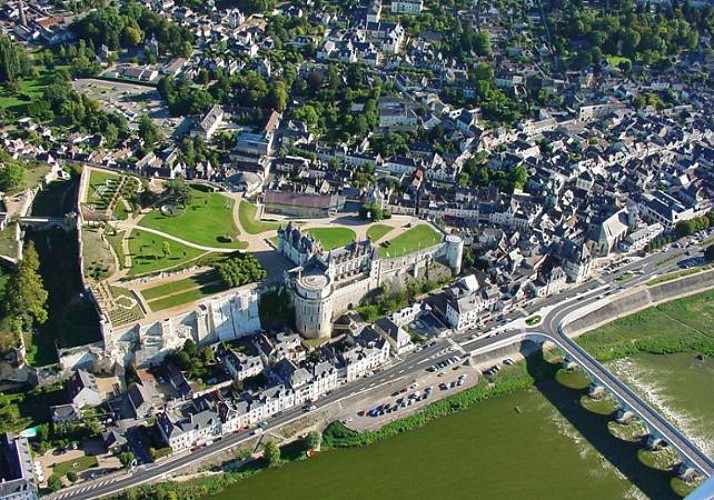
x=682 y=325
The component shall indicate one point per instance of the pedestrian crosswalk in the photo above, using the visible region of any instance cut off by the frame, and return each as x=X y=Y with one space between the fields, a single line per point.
x=76 y=491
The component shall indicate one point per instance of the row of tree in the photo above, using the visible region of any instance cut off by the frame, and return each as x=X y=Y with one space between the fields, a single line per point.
x=24 y=305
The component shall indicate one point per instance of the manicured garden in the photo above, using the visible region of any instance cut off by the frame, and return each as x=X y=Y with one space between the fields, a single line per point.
x=333 y=237
x=413 y=239
x=207 y=220
x=376 y=231
x=147 y=253
x=247 y=213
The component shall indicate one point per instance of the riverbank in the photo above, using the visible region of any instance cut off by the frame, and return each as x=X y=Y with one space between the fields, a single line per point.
x=623 y=337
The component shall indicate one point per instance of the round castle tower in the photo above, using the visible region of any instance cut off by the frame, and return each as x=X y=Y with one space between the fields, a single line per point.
x=454 y=252
x=312 y=298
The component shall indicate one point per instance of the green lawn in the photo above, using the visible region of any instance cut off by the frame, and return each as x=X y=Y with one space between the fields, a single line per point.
x=333 y=237
x=416 y=238
x=147 y=256
x=115 y=241
x=127 y=310
x=678 y=326
x=172 y=287
x=187 y=296
x=32 y=88
x=78 y=465
x=206 y=220
x=247 y=214
x=376 y=231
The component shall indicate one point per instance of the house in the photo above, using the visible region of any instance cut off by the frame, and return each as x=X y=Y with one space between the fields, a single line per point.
x=209 y=123
x=239 y=366
x=464 y=304
x=399 y=340
x=113 y=440
x=143 y=400
x=82 y=390
x=17 y=472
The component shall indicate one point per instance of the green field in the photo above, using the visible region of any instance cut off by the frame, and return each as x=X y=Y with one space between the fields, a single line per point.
x=333 y=237
x=205 y=221
x=417 y=238
x=77 y=465
x=147 y=256
x=376 y=231
x=172 y=287
x=32 y=88
x=247 y=214
x=682 y=325
x=187 y=296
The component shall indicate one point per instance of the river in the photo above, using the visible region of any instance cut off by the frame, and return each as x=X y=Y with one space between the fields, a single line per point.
x=552 y=448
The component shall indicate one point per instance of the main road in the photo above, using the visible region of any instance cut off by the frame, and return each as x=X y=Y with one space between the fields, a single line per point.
x=405 y=369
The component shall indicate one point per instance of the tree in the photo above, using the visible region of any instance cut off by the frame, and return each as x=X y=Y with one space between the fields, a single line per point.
x=271 y=453
x=709 y=253
x=126 y=458
x=10 y=60
x=54 y=483
x=684 y=228
x=131 y=36
x=25 y=296
x=178 y=192
x=313 y=440
x=11 y=176
x=148 y=131
x=72 y=476
x=278 y=96
x=166 y=249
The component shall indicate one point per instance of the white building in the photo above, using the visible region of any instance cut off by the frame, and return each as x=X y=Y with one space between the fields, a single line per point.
x=407 y=6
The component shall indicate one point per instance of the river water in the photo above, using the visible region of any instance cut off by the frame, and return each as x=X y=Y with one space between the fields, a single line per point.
x=539 y=443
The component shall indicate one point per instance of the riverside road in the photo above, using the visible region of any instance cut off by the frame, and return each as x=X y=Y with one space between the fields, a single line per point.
x=561 y=305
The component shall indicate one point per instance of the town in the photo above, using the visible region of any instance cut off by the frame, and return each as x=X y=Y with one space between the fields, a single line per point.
x=217 y=213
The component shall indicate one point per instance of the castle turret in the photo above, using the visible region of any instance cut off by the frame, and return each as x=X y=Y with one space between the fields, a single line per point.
x=312 y=297
x=454 y=252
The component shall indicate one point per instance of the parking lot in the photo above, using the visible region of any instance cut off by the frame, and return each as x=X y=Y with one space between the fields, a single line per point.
x=129 y=100
x=405 y=397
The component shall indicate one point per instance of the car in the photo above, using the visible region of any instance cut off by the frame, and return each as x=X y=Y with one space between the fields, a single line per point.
x=361 y=413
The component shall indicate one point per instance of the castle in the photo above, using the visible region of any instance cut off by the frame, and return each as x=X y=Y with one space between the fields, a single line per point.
x=325 y=284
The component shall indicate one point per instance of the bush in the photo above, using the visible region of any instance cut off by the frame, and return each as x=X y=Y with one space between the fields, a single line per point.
x=72 y=476
x=54 y=483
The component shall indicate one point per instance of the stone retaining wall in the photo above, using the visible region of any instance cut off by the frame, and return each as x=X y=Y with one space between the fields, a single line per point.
x=642 y=297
